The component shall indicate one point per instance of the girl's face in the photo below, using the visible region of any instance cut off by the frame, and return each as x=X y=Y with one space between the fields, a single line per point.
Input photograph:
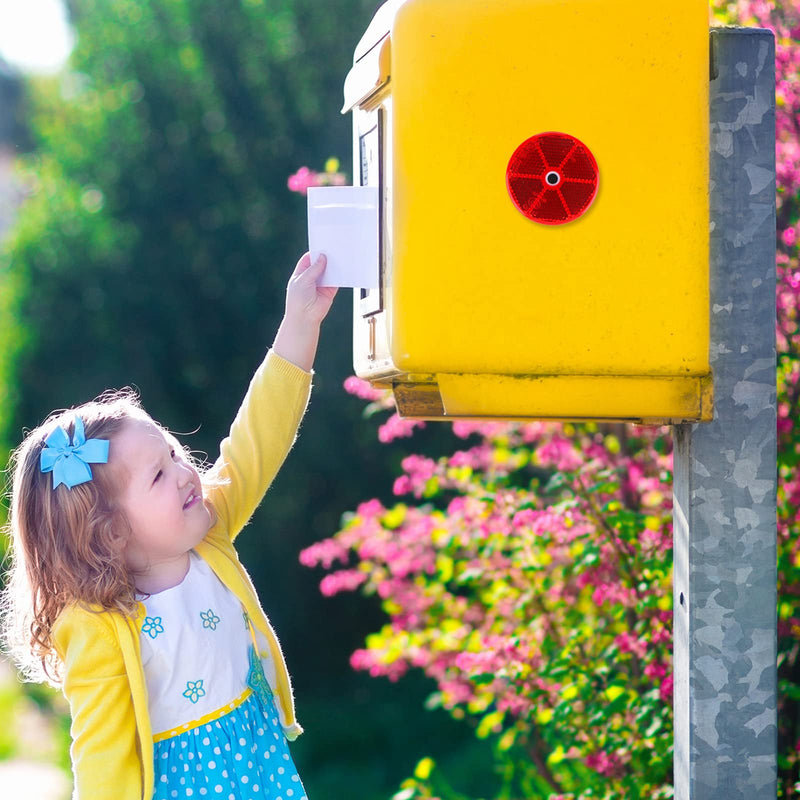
x=161 y=497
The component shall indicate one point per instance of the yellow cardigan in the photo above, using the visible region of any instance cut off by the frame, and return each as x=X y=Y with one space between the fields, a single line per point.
x=104 y=683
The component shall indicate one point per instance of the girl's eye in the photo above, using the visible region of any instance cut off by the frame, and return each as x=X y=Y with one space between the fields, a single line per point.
x=158 y=475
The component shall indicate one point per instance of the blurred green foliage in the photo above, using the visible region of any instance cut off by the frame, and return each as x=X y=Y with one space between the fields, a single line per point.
x=153 y=250
x=158 y=233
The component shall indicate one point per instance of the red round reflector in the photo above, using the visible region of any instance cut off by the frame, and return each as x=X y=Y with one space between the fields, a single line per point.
x=552 y=178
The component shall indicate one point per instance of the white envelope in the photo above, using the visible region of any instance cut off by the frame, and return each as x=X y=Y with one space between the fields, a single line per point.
x=343 y=224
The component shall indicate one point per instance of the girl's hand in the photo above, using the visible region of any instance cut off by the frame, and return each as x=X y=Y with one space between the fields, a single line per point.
x=306 y=306
x=305 y=301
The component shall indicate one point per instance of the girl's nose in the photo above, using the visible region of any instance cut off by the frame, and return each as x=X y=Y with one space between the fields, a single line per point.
x=185 y=473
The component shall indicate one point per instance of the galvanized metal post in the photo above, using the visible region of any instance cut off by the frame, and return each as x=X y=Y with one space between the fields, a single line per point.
x=725 y=577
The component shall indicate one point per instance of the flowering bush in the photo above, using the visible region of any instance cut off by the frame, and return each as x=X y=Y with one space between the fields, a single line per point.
x=533 y=585
x=305 y=177
x=529 y=571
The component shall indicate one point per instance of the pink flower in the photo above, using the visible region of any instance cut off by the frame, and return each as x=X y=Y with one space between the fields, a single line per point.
x=323 y=553
x=525 y=518
x=665 y=689
x=514 y=704
x=302 y=179
x=370 y=509
x=604 y=763
x=369 y=661
x=418 y=471
x=419 y=465
x=533 y=431
x=613 y=592
x=455 y=692
x=480 y=457
x=402 y=485
x=628 y=643
x=457 y=506
x=396 y=428
x=560 y=453
x=485 y=429
x=363 y=389
x=342 y=581
x=656 y=670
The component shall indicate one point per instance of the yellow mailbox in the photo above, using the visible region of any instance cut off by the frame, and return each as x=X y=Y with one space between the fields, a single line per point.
x=543 y=176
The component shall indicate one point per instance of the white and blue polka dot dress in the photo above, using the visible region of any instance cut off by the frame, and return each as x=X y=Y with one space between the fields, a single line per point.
x=217 y=733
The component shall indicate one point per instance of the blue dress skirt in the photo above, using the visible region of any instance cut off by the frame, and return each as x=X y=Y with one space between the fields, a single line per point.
x=241 y=755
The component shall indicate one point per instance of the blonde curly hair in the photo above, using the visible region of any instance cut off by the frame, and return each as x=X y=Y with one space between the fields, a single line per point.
x=67 y=545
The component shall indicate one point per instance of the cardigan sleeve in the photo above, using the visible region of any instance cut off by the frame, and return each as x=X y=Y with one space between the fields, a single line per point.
x=260 y=438
x=106 y=764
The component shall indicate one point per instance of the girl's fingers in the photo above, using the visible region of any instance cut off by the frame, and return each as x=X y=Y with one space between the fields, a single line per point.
x=319 y=265
x=314 y=270
x=302 y=265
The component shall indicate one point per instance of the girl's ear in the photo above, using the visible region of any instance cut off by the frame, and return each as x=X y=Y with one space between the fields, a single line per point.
x=118 y=531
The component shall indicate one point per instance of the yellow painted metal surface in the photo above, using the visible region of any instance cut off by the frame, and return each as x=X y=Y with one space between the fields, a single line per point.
x=602 y=317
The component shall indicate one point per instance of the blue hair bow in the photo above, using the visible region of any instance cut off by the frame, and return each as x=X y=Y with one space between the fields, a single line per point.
x=69 y=461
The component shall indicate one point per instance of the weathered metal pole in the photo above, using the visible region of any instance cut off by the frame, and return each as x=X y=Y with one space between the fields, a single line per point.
x=725 y=577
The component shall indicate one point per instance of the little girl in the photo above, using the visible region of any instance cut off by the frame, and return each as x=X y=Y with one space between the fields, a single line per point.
x=125 y=588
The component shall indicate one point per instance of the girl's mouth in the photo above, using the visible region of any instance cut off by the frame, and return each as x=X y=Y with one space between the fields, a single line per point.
x=191 y=500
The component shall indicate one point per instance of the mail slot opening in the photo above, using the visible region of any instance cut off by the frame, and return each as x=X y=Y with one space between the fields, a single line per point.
x=371 y=154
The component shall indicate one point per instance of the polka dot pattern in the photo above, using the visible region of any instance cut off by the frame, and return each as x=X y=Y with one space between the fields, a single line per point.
x=243 y=755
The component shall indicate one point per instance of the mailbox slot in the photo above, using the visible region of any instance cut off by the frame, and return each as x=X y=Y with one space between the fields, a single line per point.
x=371 y=152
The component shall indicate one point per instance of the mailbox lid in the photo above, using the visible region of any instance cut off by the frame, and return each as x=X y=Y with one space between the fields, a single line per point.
x=477 y=287
x=371 y=62
x=378 y=28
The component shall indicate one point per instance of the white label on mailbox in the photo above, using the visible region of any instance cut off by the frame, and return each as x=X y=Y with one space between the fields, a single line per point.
x=343 y=224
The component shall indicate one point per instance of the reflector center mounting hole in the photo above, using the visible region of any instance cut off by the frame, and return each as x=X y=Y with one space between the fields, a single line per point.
x=552 y=178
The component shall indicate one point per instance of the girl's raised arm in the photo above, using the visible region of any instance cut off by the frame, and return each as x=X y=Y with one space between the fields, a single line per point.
x=267 y=421
x=306 y=306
